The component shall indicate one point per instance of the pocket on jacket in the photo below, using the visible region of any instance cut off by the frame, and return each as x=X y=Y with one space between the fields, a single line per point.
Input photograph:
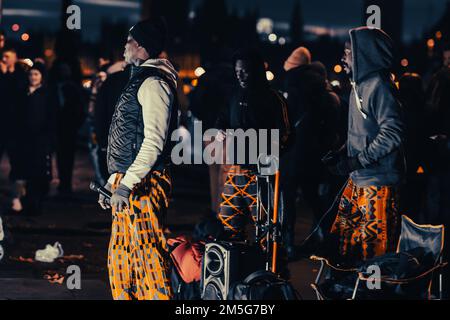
x=357 y=143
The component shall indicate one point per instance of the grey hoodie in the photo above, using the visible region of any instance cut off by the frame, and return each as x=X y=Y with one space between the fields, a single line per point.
x=375 y=123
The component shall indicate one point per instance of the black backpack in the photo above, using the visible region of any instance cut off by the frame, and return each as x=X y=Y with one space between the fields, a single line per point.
x=262 y=285
x=183 y=290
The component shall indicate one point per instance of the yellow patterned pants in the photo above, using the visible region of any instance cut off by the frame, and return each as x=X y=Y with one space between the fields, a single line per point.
x=366 y=222
x=138 y=258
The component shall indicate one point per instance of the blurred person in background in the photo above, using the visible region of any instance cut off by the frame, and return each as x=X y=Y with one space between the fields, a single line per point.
x=412 y=98
x=314 y=112
x=438 y=135
x=13 y=84
x=96 y=83
x=70 y=116
x=108 y=94
x=212 y=95
x=38 y=138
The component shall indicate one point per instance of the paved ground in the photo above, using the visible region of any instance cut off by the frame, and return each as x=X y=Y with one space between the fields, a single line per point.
x=83 y=230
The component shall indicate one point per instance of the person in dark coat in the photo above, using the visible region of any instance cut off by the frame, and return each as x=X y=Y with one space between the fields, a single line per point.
x=314 y=113
x=38 y=139
x=70 y=116
x=107 y=97
x=438 y=137
x=254 y=105
x=412 y=98
x=13 y=82
x=366 y=223
x=213 y=94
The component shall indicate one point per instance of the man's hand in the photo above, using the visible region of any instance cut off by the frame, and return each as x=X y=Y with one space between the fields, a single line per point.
x=102 y=200
x=345 y=166
x=120 y=198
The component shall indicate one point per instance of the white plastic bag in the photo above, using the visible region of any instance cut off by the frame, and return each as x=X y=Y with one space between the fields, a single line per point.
x=50 y=253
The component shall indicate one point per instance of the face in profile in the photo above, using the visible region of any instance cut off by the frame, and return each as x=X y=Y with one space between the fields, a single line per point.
x=131 y=50
x=243 y=74
x=9 y=58
x=347 y=59
x=34 y=78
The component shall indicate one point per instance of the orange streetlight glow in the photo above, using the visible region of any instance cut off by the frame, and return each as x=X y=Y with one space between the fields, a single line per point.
x=337 y=68
x=48 y=52
x=25 y=37
x=15 y=27
x=430 y=43
x=404 y=62
x=438 y=35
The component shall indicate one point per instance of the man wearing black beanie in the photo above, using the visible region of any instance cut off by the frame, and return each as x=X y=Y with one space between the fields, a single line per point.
x=138 y=156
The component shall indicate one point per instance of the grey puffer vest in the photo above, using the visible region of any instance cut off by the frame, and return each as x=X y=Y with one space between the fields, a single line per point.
x=126 y=132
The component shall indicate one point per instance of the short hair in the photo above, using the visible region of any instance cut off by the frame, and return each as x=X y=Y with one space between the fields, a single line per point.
x=9 y=49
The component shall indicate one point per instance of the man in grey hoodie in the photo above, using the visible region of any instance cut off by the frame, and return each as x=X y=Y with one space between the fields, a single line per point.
x=366 y=222
x=138 y=156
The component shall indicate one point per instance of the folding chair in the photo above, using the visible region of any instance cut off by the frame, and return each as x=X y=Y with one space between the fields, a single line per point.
x=427 y=237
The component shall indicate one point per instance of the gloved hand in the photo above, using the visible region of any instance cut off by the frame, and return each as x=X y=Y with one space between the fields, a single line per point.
x=120 y=198
x=102 y=200
x=345 y=166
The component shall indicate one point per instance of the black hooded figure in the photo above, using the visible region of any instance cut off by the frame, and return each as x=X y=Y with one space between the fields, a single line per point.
x=368 y=211
x=253 y=106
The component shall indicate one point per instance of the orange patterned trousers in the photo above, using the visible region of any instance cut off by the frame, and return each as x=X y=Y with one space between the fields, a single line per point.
x=138 y=259
x=366 y=222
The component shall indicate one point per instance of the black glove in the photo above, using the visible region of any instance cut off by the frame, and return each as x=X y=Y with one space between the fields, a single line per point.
x=345 y=166
x=120 y=198
x=102 y=200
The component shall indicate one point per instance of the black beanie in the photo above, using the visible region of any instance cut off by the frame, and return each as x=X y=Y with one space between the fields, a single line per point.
x=151 y=34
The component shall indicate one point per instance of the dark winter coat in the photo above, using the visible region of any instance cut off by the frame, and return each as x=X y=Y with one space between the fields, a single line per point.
x=39 y=129
x=262 y=108
x=314 y=113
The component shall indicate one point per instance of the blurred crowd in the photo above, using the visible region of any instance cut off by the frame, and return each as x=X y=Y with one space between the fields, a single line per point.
x=42 y=111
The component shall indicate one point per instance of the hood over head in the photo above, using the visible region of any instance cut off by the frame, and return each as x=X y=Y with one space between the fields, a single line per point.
x=165 y=66
x=372 y=51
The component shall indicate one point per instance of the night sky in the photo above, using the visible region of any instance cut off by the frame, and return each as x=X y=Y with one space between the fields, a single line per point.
x=338 y=15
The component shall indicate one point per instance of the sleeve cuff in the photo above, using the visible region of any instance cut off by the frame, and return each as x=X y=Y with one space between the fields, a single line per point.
x=130 y=180
x=112 y=178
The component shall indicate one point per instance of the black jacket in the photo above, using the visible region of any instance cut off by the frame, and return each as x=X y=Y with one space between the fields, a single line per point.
x=314 y=113
x=126 y=133
x=212 y=94
x=262 y=108
x=375 y=124
x=40 y=132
